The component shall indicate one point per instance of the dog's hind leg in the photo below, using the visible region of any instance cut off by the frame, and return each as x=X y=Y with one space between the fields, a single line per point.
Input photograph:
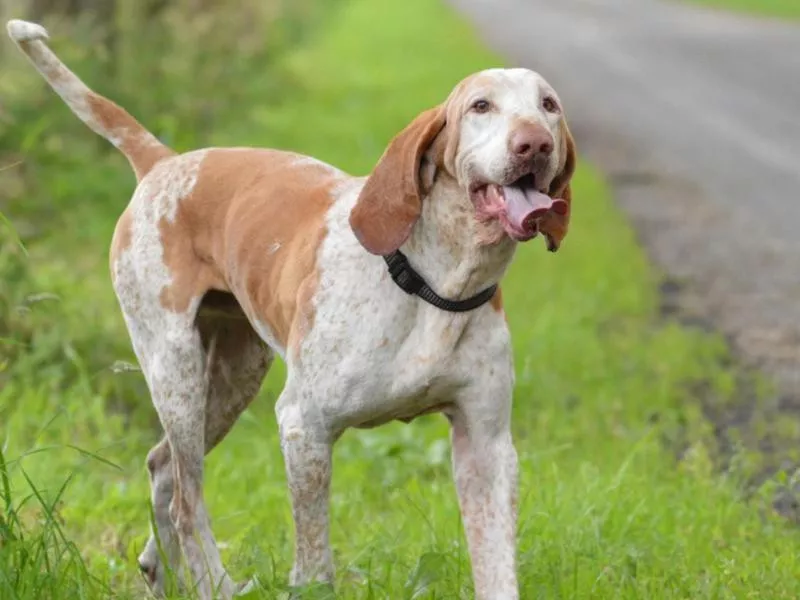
x=179 y=390
x=236 y=363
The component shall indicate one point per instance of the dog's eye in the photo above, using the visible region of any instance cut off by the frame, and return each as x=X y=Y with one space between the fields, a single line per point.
x=481 y=106
x=549 y=104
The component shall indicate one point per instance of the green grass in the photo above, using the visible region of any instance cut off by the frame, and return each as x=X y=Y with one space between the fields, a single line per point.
x=788 y=9
x=603 y=403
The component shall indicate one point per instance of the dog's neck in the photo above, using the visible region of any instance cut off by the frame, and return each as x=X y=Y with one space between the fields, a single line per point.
x=448 y=247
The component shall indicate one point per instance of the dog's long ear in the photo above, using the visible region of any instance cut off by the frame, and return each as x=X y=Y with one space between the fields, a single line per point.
x=391 y=200
x=555 y=226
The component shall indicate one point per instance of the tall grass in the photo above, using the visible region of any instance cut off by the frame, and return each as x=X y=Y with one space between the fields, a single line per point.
x=37 y=559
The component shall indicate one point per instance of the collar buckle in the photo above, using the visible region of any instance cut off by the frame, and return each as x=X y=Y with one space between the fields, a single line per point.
x=408 y=280
x=403 y=274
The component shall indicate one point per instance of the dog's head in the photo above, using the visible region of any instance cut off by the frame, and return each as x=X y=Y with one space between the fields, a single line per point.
x=503 y=137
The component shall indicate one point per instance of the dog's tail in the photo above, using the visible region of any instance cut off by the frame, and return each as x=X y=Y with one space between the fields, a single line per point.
x=142 y=149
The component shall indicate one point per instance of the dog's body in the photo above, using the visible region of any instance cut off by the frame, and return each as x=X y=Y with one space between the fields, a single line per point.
x=226 y=256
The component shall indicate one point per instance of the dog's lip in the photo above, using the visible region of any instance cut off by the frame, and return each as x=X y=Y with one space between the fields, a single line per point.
x=528 y=178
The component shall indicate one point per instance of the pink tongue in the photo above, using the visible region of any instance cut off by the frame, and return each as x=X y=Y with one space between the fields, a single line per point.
x=525 y=205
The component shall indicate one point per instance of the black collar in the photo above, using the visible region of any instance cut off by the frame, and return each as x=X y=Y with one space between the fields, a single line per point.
x=412 y=283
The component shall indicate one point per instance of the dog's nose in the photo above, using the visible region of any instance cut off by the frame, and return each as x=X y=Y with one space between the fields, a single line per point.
x=529 y=140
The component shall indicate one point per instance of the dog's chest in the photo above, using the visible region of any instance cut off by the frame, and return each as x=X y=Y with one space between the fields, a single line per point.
x=393 y=367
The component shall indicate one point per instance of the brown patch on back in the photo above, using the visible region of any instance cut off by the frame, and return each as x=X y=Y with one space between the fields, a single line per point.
x=253 y=226
x=142 y=150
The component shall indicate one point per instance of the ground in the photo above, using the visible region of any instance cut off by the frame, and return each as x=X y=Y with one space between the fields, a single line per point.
x=628 y=489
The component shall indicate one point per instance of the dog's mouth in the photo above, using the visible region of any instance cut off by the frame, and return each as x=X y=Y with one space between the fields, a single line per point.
x=518 y=206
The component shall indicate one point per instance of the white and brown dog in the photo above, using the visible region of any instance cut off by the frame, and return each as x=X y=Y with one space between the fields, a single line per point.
x=227 y=256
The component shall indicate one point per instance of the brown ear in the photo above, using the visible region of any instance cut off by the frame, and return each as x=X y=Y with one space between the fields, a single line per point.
x=555 y=226
x=391 y=200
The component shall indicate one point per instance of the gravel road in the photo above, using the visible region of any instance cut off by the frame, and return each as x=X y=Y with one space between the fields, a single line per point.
x=694 y=115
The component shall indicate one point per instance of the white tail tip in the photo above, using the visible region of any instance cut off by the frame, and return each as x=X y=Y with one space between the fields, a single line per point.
x=25 y=31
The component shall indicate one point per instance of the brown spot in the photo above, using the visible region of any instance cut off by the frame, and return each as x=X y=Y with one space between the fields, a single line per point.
x=497 y=300
x=57 y=74
x=252 y=226
x=140 y=147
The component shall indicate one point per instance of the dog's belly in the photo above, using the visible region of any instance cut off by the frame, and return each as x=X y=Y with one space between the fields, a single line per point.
x=404 y=417
x=434 y=396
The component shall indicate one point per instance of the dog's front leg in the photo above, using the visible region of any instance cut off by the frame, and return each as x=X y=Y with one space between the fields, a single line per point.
x=307 y=446
x=485 y=471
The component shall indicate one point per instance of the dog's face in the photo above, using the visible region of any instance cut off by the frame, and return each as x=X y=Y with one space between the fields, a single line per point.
x=502 y=135
x=512 y=142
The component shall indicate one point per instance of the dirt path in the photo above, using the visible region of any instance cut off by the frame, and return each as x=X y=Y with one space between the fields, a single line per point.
x=695 y=116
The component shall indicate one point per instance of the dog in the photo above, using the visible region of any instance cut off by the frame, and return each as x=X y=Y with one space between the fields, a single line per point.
x=380 y=293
